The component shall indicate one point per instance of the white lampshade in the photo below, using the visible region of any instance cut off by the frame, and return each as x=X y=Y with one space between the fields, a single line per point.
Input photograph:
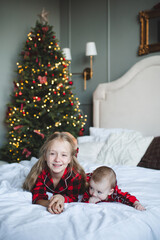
x=67 y=53
x=91 y=49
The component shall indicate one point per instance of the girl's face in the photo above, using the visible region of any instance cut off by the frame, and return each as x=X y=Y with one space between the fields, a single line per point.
x=100 y=190
x=58 y=157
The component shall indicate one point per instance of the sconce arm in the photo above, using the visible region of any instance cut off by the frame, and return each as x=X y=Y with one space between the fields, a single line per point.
x=87 y=72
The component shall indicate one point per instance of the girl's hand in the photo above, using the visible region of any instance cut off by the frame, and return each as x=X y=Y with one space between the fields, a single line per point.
x=138 y=206
x=56 y=204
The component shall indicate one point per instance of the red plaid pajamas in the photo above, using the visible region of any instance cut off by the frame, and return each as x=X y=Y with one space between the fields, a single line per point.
x=69 y=186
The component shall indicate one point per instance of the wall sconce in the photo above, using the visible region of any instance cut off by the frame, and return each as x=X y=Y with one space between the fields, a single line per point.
x=90 y=51
x=67 y=53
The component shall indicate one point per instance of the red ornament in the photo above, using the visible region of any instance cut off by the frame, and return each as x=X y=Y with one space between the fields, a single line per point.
x=37 y=99
x=54 y=37
x=52 y=74
x=44 y=29
x=64 y=59
x=81 y=132
x=35 y=45
x=49 y=65
x=39 y=133
x=43 y=79
x=55 y=57
x=16 y=94
x=27 y=53
x=72 y=103
x=20 y=93
x=34 y=81
x=70 y=83
x=26 y=152
x=29 y=48
x=55 y=92
x=18 y=127
x=64 y=93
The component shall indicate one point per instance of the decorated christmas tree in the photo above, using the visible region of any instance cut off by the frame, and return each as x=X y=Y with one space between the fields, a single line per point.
x=42 y=101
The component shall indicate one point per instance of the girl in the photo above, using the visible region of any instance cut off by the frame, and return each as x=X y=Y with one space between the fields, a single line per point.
x=57 y=171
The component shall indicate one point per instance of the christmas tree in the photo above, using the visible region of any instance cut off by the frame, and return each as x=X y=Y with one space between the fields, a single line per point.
x=42 y=101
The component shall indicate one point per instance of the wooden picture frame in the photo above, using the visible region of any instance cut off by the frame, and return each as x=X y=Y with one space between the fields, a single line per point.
x=145 y=46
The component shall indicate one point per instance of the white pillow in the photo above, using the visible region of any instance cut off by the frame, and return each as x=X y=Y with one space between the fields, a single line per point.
x=84 y=139
x=91 y=139
x=126 y=148
x=105 y=131
x=88 y=151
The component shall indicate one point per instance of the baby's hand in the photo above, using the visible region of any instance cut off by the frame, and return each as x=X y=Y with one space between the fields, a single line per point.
x=138 y=206
x=56 y=204
x=93 y=200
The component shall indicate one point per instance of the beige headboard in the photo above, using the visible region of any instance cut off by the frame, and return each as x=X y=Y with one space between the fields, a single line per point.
x=132 y=101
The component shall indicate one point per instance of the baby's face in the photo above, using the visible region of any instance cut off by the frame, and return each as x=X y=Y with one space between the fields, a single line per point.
x=100 y=190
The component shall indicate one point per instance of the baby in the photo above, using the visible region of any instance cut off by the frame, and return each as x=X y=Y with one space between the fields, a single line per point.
x=103 y=188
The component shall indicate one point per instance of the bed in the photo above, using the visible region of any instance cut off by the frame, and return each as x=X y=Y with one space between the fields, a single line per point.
x=125 y=136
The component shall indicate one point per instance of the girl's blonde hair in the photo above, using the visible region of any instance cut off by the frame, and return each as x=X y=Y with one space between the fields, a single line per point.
x=105 y=172
x=41 y=163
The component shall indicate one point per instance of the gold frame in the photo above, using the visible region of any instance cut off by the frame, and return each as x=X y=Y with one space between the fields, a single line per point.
x=144 y=17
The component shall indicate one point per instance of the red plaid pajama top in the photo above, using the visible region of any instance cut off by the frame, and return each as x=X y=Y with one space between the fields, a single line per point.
x=69 y=186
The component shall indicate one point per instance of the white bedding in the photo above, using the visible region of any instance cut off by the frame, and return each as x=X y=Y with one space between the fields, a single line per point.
x=114 y=147
x=125 y=148
x=21 y=220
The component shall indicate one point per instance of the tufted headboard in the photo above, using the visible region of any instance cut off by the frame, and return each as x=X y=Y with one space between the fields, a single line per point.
x=132 y=101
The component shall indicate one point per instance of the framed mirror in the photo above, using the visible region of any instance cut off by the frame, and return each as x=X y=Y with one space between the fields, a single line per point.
x=149 y=31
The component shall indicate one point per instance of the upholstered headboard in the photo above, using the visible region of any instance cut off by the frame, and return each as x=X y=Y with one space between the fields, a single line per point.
x=132 y=101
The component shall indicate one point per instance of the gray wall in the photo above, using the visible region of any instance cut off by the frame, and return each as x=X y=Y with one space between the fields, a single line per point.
x=82 y=22
x=115 y=28
x=112 y=24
